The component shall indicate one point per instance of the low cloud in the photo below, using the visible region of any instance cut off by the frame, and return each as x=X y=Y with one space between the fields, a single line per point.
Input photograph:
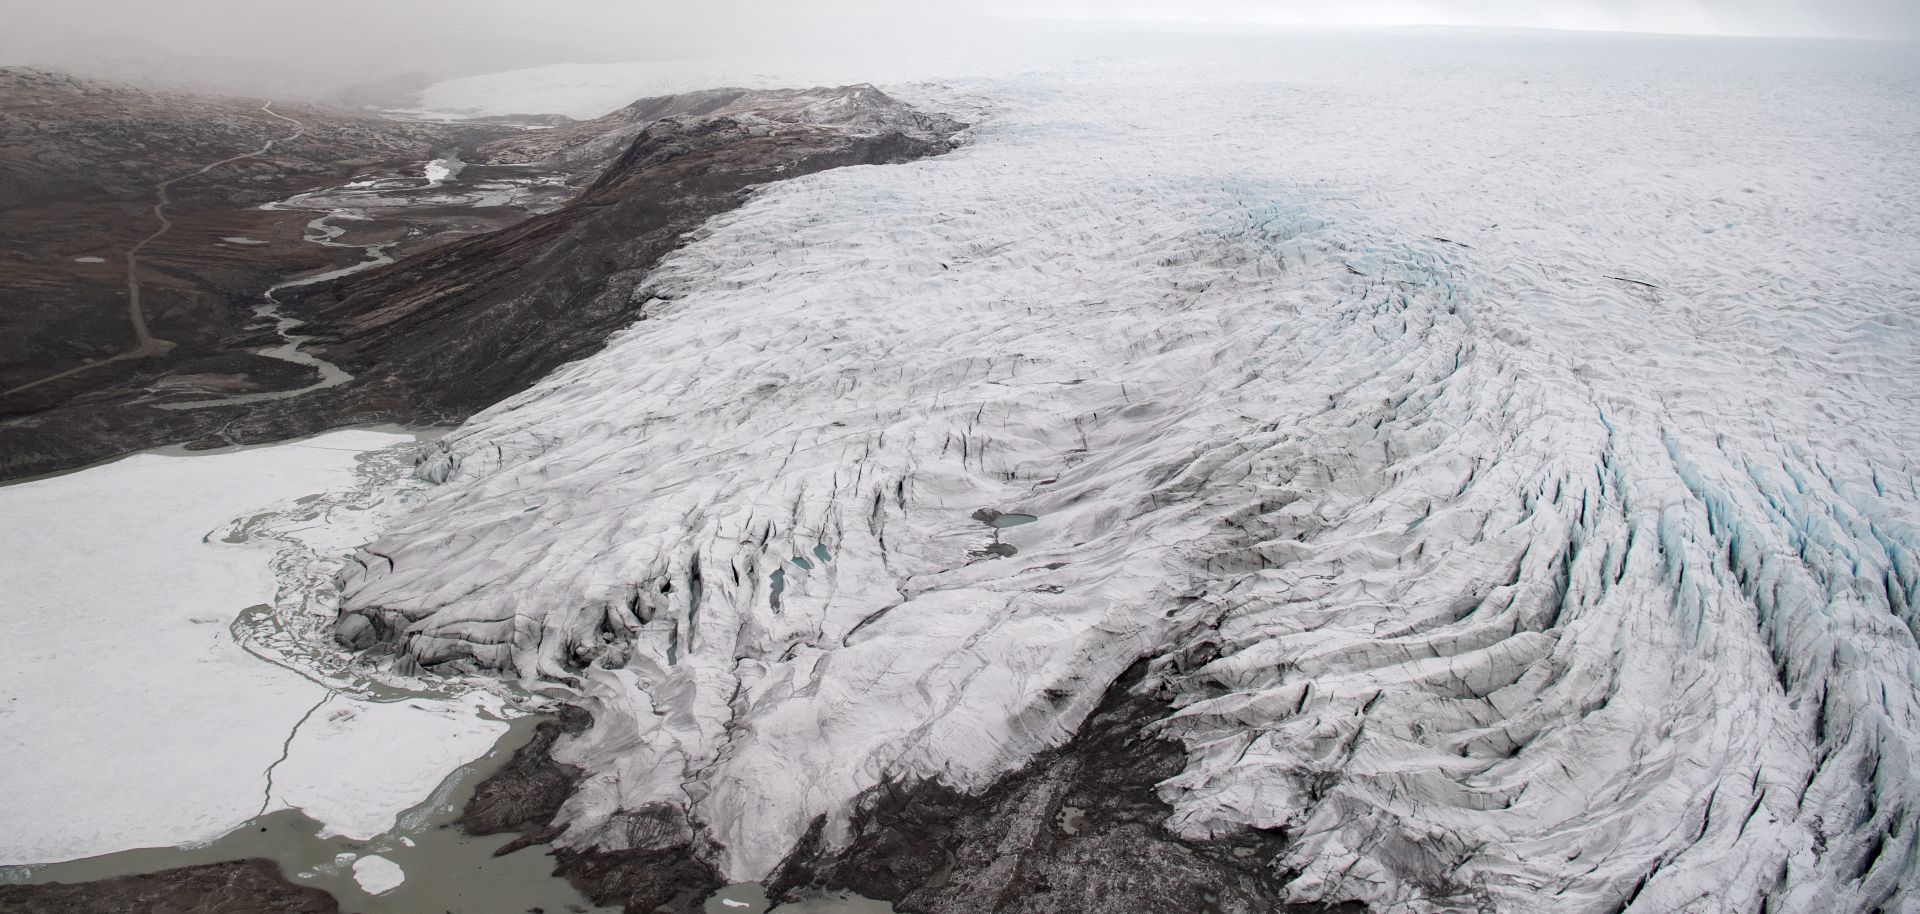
x=314 y=50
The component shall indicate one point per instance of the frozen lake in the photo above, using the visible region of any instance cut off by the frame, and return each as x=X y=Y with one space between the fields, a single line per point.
x=134 y=716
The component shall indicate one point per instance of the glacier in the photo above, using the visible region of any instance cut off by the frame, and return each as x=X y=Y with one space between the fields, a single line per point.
x=1499 y=446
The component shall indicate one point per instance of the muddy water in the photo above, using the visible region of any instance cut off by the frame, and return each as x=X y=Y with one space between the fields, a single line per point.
x=445 y=869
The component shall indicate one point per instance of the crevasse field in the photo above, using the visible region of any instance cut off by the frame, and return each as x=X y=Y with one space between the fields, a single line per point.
x=1499 y=445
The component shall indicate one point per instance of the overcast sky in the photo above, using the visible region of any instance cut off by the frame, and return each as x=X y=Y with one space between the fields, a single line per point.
x=315 y=47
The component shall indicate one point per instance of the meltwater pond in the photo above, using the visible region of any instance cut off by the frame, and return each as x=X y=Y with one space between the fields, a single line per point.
x=1001 y=520
x=998 y=521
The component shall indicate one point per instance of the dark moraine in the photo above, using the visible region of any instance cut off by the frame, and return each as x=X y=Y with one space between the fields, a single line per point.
x=1079 y=829
x=236 y=887
x=525 y=795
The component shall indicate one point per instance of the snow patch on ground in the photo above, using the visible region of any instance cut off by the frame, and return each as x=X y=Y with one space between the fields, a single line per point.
x=1500 y=444
x=439 y=171
x=133 y=718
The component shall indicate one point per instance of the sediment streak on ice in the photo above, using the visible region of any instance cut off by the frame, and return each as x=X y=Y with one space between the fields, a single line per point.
x=1508 y=472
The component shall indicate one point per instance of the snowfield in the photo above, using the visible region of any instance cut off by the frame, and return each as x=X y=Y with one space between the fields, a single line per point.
x=1500 y=444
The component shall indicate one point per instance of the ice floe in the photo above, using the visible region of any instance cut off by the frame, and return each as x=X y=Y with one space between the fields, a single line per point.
x=378 y=875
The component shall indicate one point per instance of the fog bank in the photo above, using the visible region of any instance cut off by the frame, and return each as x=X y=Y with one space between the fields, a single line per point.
x=318 y=50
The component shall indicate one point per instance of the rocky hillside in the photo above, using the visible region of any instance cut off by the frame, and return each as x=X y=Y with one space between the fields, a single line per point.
x=463 y=327
x=80 y=165
x=64 y=137
x=448 y=329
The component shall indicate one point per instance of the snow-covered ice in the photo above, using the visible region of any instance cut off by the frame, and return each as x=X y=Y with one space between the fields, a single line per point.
x=133 y=718
x=1500 y=443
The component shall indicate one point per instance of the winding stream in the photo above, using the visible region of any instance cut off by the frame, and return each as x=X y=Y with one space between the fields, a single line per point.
x=322 y=231
x=369 y=200
x=145 y=343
